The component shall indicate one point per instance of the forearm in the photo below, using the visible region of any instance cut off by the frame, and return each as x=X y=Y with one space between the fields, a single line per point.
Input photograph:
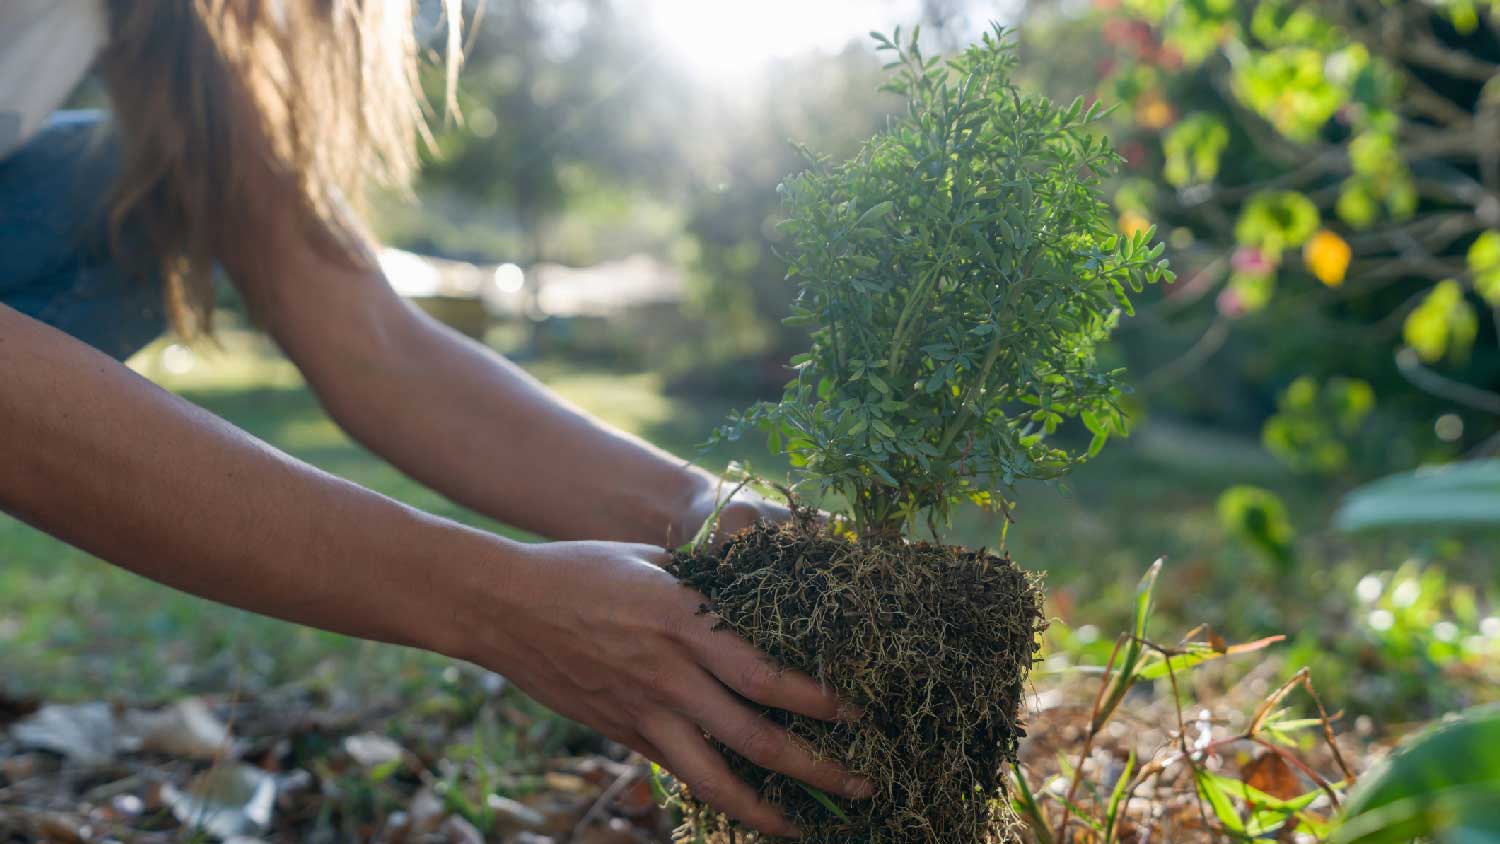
x=107 y=462
x=465 y=421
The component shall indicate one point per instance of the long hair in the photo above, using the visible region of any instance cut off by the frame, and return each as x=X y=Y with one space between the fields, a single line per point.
x=210 y=96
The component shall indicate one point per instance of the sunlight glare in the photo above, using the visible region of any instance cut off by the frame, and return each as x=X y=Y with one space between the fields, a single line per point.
x=726 y=40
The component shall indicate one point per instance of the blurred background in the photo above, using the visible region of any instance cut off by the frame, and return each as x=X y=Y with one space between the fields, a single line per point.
x=1326 y=176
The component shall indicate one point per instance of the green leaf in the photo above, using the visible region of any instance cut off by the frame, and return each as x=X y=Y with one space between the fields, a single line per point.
x=1097 y=443
x=1143 y=594
x=1125 y=674
x=1117 y=796
x=1443 y=324
x=1439 y=499
x=1253 y=796
x=1277 y=220
x=876 y=213
x=1218 y=800
x=1484 y=265
x=1198 y=655
x=1440 y=785
x=825 y=800
x=659 y=785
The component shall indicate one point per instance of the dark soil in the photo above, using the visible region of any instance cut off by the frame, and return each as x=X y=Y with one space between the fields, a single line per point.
x=933 y=642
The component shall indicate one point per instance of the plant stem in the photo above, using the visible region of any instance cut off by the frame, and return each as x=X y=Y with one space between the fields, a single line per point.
x=961 y=418
x=918 y=297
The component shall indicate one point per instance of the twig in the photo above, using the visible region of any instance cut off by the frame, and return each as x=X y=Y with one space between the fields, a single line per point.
x=625 y=780
x=1419 y=376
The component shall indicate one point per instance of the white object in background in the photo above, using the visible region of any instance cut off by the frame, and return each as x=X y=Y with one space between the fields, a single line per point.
x=46 y=47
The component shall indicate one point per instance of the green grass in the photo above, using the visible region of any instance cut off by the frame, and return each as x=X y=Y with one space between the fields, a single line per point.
x=71 y=626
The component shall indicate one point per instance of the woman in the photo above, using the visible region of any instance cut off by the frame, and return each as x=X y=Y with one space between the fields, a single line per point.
x=242 y=134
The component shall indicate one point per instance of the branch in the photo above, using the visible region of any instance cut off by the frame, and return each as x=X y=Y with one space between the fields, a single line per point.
x=1212 y=341
x=1444 y=387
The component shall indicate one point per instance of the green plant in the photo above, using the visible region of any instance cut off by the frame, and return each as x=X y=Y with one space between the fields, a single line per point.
x=1440 y=786
x=1258 y=518
x=1458 y=498
x=1230 y=773
x=957 y=276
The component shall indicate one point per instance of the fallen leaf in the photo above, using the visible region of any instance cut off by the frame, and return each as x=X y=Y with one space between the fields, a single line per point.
x=225 y=801
x=456 y=830
x=616 y=831
x=371 y=750
x=637 y=801
x=1271 y=774
x=63 y=829
x=426 y=811
x=514 y=814
x=82 y=732
x=186 y=729
x=19 y=767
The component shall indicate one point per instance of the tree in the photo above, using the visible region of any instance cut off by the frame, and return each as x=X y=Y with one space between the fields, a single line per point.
x=1329 y=174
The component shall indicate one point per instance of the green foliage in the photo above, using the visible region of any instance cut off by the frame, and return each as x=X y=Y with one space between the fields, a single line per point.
x=1193 y=148
x=1276 y=220
x=1380 y=180
x=1334 y=134
x=1444 y=324
x=1484 y=266
x=1288 y=87
x=1313 y=422
x=1464 y=496
x=957 y=276
x=1257 y=517
x=1242 y=809
x=1440 y=786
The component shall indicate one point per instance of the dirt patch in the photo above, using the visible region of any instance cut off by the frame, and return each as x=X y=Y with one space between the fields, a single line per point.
x=933 y=642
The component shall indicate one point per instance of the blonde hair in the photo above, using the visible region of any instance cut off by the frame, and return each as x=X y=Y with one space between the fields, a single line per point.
x=211 y=95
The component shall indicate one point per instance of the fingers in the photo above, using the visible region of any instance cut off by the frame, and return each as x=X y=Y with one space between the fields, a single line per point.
x=741 y=667
x=742 y=513
x=766 y=744
x=692 y=760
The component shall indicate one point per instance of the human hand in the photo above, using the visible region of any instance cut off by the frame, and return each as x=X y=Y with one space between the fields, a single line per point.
x=744 y=509
x=600 y=633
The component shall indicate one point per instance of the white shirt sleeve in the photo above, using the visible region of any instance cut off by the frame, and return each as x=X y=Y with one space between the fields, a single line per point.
x=46 y=47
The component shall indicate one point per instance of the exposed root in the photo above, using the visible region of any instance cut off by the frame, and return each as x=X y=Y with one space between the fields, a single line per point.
x=933 y=642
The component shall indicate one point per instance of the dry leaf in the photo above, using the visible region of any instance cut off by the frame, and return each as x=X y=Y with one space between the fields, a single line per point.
x=1271 y=774
x=426 y=811
x=456 y=830
x=225 y=801
x=514 y=814
x=186 y=729
x=615 y=832
x=371 y=750
x=81 y=732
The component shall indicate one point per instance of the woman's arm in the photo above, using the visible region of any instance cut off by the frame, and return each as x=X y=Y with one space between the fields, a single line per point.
x=460 y=418
x=102 y=459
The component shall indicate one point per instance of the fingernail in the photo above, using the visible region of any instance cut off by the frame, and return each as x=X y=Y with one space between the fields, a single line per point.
x=859 y=788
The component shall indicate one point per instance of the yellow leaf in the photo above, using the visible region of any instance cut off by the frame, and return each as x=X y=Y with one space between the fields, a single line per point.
x=1327 y=256
x=1132 y=223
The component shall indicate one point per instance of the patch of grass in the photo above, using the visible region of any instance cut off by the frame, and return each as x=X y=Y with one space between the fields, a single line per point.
x=74 y=627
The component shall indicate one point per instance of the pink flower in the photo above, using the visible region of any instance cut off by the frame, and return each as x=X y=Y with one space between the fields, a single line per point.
x=1252 y=261
x=1230 y=303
